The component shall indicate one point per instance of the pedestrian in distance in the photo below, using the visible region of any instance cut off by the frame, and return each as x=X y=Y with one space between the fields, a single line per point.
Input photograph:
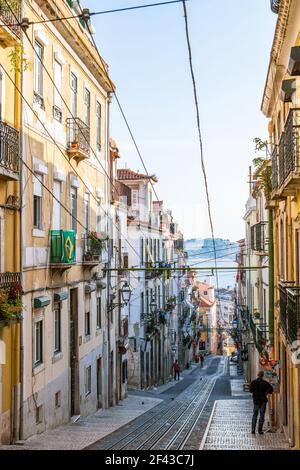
x=176 y=369
x=259 y=388
x=201 y=360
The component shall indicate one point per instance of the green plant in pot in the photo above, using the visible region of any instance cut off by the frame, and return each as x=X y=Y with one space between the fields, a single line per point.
x=256 y=314
x=9 y=5
x=96 y=243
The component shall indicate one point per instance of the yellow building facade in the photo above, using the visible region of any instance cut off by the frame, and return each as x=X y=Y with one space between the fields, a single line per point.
x=10 y=279
x=281 y=102
x=70 y=361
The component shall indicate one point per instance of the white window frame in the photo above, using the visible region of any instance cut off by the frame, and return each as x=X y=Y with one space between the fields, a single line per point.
x=57 y=204
x=86 y=211
x=99 y=312
x=73 y=192
x=87 y=109
x=57 y=309
x=38 y=69
x=74 y=93
x=57 y=99
x=38 y=193
x=98 y=125
x=38 y=361
x=135 y=199
x=88 y=380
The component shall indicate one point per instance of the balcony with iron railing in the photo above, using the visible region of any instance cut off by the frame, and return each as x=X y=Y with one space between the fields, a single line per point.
x=11 y=306
x=282 y=287
x=293 y=314
x=9 y=152
x=275 y=4
x=274 y=159
x=290 y=310
x=92 y=250
x=259 y=238
x=9 y=279
x=78 y=139
x=259 y=332
x=285 y=159
x=10 y=16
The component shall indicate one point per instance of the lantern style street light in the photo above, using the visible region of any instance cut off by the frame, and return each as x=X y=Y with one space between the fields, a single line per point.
x=153 y=306
x=125 y=292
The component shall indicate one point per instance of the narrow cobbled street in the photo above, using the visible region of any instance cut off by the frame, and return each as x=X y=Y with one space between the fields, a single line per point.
x=207 y=409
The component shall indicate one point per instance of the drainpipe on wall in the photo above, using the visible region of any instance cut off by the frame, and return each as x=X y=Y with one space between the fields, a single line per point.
x=17 y=329
x=22 y=146
x=109 y=226
x=271 y=277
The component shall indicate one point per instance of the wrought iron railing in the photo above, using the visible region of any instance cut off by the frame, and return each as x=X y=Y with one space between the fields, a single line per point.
x=288 y=151
x=252 y=327
x=261 y=336
x=10 y=14
x=92 y=248
x=78 y=136
x=281 y=160
x=259 y=238
x=8 y=280
x=283 y=305
x=293 y=314
x=275 y=168
x=9 y=147
x=275 y=4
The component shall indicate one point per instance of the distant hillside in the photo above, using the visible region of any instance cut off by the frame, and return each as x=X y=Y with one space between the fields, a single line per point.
x=204 y=248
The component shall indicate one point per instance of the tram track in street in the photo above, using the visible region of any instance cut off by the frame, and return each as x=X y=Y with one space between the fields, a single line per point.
x=169 y=426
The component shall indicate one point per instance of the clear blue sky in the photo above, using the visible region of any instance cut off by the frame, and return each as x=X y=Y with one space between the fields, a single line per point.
x=147 y=55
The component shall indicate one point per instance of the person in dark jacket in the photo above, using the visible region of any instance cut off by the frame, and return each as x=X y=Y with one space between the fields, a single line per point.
x=260 y=389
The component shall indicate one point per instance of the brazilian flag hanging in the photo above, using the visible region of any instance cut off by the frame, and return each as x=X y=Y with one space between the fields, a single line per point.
x=62 y=246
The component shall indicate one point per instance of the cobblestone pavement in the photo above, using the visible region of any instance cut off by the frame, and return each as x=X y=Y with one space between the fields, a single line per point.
x=179 y=422
x=207 y=409
x=79 y=435
x=229 y=429
x=76 y=436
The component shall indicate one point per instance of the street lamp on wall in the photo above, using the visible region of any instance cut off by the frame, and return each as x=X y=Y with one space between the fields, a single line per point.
x=153 y=306
x=125 y=292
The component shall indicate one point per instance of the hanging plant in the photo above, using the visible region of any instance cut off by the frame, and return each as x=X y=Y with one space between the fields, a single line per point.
x=264 y=178
x=96 y=244
x=11 y=306
x=6 y=6
x=18 y=61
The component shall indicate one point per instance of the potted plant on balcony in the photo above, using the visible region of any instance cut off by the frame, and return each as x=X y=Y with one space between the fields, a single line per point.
x=171 y=303
x=256 y=314
x=8 y=5
x=11 y=306
x=95 y=245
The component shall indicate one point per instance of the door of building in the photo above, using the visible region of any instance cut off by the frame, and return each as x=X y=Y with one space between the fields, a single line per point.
x=111 y=376
x=99 y=382
x=74 y=363
x=142 y=368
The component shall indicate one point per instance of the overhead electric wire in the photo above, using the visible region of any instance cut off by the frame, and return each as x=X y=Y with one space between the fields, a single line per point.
x=65 y=157
x=97 y=13
x=70 y=112
x=188 y=42
x=66 y=104
x=119 y=105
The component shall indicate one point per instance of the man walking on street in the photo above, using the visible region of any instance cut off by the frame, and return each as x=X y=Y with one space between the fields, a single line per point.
x=176 y=369
x=201 y=360
x=260 y=389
